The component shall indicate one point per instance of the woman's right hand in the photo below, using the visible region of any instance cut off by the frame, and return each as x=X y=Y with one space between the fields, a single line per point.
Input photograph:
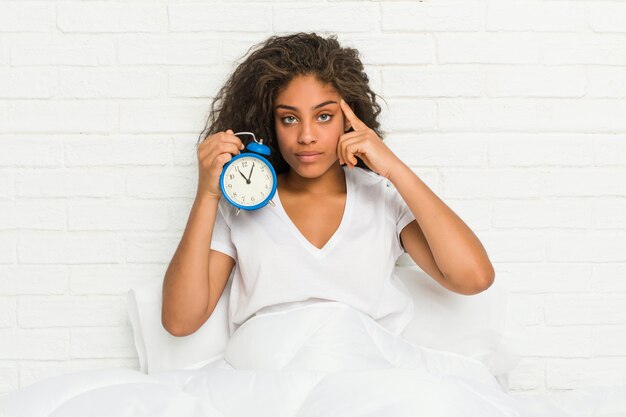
x=213 y=153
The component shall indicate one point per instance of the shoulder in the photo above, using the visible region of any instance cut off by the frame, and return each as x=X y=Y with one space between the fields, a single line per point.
x=379 y=190
x=371 y=182
x=366 y=177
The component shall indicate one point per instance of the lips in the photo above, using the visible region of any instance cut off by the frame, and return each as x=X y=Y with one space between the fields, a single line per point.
x=309 y=156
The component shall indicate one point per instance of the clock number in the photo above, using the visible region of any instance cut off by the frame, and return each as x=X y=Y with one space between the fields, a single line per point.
x=253 y=199
x=244 y=164
x=231 y=176
x=229 y=185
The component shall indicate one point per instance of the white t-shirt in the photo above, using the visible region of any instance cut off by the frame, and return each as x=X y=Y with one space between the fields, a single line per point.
x=278 y=268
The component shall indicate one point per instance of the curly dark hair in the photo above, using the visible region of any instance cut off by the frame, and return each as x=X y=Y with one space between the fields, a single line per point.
x=246 y=101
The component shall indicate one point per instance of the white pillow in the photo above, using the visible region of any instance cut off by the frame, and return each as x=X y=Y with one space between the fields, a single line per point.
x=471 y=325
x=160 y=351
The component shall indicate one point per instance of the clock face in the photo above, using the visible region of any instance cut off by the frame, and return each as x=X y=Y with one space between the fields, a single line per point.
x=248 y=181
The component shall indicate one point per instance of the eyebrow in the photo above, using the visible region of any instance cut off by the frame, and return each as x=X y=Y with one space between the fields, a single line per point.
x=284 y=106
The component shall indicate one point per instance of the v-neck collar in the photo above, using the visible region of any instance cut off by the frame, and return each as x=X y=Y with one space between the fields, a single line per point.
x=314 y=250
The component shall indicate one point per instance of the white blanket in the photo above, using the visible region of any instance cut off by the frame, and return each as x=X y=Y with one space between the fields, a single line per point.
x=326 y=359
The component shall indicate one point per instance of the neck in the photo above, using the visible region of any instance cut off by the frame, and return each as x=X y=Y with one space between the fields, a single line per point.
x=332 y=181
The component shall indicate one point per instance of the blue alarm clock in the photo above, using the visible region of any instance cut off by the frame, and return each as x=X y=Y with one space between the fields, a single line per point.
x=248 y=180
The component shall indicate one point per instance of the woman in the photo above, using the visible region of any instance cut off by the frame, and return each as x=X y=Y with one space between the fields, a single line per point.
x=295 y=71
x=345 y=208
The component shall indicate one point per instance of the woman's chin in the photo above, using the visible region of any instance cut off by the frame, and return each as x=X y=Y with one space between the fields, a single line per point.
x=314 y=170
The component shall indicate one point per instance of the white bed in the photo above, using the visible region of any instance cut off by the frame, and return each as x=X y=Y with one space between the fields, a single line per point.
x=326 y=359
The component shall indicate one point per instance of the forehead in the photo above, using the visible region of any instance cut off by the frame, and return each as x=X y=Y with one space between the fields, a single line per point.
x=305 y=89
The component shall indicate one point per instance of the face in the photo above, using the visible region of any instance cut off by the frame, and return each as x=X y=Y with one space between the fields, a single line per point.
x=308 y=120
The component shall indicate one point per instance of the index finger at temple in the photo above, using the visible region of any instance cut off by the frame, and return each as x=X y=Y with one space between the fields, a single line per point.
x=356 y=122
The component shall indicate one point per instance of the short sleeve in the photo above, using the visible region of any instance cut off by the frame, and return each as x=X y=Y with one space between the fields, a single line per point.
x=397 y=208
x=221 y=239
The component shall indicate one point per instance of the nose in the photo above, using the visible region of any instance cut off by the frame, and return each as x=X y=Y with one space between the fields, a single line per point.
x=306 y=134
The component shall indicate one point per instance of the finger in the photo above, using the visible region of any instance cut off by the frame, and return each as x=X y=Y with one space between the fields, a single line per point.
x=240 y=142
x=356 y=123
x=220 y=160
x=227 y=136
x=232 y=148
x=349 y=147
x=343 y=141
x=237 y=139
x=229 y=149
x=230 y=137
x=340 y=147
x=218 y=142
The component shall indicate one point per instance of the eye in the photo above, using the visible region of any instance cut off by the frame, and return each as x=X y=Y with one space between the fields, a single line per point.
x=286 y=117
x=326 y=114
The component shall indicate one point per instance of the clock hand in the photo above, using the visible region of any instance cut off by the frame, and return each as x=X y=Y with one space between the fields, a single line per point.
x=241 y=173
x=250 y=176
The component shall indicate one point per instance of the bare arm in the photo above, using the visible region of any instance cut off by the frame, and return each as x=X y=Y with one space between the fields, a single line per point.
x=440 y=240
x=196 y=275
x=186 y=284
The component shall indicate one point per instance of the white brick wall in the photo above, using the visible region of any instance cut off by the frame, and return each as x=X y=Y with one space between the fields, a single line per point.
x=512 y=112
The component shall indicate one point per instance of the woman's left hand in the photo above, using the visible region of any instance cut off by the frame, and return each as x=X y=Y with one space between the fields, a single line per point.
x=364 y=143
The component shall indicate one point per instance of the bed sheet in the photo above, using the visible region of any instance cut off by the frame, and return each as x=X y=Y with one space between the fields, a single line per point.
x=326 y=359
